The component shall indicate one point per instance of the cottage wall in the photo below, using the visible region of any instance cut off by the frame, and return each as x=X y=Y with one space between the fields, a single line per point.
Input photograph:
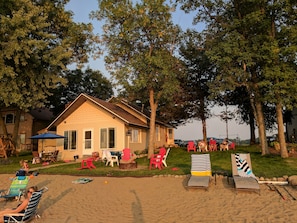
x=89 y=118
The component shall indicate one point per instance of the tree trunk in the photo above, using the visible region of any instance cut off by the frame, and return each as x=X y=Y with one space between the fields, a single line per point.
x=204 y=130
x=153 y=106
x=15 y=133
x=252 y=129
x=281 y=129
x=262 y=129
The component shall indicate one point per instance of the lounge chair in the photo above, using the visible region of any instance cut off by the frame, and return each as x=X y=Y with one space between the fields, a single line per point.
x=243 y=177
x=31 y=210
x=17 y=187
x=200 y=171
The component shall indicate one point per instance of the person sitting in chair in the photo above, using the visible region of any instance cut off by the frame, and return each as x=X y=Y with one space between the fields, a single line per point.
x=224 y=145
x=20 y=208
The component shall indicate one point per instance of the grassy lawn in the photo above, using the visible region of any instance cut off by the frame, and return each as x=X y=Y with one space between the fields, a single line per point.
x=178 y=160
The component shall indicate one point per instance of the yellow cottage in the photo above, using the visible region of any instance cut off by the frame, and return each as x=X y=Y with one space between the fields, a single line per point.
x=91 y=125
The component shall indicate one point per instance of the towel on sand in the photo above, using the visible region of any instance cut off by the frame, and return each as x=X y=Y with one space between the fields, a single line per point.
x=82 y=181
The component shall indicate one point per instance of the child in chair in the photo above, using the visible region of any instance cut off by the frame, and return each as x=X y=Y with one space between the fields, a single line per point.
x=24 y=165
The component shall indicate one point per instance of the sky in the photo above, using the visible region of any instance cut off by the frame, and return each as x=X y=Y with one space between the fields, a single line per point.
x=192 y=130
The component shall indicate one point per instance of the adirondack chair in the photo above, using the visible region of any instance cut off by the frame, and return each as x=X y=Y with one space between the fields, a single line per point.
x=156 y=160
x=87 y=164
x=165 y=157
x=191 y=146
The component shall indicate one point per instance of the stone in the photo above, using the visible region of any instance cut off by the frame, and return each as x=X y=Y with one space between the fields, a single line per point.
x=292 y=180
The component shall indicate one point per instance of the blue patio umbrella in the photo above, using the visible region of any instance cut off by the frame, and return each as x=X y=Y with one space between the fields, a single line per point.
x=47 y=135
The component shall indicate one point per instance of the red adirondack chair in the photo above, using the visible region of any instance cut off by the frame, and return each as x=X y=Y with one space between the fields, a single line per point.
x=191 y=146
x=232 y=146
x=126 y=154
x=156 y=160
x=87 y=164
x=212 y=145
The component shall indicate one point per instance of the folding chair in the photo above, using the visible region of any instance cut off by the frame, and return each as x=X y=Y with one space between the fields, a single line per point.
x=18 y=185
x=30 y=212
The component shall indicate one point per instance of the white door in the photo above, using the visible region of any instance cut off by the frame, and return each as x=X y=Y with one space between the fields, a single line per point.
x=88 y=142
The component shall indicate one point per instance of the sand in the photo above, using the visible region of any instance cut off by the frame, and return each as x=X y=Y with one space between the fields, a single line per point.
x=154 y=199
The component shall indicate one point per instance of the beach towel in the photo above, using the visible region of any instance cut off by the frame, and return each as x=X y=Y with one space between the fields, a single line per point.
x=243 y=166
x=82 y=181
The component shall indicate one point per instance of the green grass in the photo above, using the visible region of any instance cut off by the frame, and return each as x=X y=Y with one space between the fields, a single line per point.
x=263 y=166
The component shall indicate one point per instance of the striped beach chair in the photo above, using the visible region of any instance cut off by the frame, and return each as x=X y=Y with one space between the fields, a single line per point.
x=200 y=171
x=30 y=212
x=243 y=176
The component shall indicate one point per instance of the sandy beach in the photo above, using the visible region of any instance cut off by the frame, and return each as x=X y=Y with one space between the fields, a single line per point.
x=154 y=199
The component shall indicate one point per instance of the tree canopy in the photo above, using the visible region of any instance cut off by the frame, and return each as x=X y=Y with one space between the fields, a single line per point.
x=253 y=44
x=89 y=81
x=141 y=39
x=38 y=39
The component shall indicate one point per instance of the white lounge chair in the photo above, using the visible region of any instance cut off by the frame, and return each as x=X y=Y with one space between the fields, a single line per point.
x=200 y=171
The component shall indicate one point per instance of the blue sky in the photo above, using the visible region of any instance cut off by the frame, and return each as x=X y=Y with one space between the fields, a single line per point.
x=192 y=130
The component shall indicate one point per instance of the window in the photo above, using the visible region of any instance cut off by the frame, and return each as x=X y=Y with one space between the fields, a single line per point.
x=70 y=140
x=107 y=138
x=9 y=119
x=135 y=135
x=170 y=133
x=88 y=139
x=158 y=133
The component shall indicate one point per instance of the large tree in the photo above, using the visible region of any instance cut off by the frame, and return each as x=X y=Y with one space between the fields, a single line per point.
x=38 y=39
x=200 y=71
x=140 y=39
x=253 y=44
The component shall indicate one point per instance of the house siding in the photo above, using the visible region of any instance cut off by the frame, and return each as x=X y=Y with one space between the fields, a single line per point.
x=89 y=117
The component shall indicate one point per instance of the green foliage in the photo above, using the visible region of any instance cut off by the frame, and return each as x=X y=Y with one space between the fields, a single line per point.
x=38 y=39
x=253 y=44
x=140 y=39
x=89 y=82
x=200 y=72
